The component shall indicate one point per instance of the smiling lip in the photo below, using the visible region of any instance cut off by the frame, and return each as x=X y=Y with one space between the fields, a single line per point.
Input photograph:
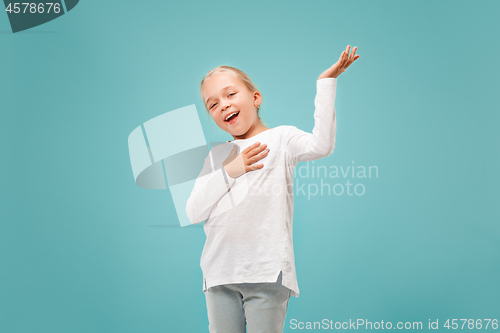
x=233 y=119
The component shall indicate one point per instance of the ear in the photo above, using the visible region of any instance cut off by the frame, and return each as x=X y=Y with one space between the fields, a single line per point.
x=257 y=98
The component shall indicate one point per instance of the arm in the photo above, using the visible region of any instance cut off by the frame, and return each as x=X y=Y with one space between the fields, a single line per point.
x=303 y=146
x=215 y=181
x=210 y=186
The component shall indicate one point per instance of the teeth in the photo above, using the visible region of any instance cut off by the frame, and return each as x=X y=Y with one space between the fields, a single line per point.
x=228 y=116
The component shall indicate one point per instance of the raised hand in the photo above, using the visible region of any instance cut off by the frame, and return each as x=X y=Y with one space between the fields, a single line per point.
x=340 y=66
x=242 y=163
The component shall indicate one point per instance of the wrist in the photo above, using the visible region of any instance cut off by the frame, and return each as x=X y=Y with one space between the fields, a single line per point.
x=327 y=77
x=229 y=171
x=322 y=76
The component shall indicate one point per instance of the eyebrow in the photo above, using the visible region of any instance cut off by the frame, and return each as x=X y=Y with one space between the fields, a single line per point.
x=225 y=88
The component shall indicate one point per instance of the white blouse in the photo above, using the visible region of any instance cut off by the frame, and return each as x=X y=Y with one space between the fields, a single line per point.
x=249 y=220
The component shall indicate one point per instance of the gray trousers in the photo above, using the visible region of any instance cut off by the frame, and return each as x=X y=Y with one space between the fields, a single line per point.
x=260 y=306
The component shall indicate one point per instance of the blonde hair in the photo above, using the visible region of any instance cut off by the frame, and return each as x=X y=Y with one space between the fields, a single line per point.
x=240 y=75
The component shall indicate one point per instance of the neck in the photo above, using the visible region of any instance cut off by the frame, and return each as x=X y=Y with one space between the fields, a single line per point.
x=252 y=131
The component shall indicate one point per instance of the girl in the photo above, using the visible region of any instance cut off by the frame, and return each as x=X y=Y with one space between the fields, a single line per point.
x=245 y=194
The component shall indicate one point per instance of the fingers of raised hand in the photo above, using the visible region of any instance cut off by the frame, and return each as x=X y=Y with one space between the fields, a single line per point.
x=346 y=52
x=352 y=57
x=343 y=59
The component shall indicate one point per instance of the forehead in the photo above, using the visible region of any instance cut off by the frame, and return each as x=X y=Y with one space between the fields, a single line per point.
x=219 y=82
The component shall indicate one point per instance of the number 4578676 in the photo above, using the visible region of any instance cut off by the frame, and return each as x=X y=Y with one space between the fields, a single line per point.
x=33 y=7
x=472 y=324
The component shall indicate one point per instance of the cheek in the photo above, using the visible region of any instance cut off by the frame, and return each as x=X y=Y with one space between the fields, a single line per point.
x=212 y=116
x=250 y=115
x=218 y=121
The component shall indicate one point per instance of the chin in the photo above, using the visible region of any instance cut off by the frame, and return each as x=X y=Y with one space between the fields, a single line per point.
x=240 y=133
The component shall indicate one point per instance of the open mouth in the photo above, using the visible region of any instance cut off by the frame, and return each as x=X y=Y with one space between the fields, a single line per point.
x=231 y=118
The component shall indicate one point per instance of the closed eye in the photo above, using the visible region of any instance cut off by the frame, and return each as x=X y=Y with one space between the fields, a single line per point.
x=211 y=106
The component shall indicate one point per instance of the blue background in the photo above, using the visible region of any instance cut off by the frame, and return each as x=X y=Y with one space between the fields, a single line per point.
x=84 y=249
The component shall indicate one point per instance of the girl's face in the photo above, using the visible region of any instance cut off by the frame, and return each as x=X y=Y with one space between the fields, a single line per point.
x=224 y=94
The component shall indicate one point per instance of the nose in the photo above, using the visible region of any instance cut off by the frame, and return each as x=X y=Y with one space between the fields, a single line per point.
x=225 y=105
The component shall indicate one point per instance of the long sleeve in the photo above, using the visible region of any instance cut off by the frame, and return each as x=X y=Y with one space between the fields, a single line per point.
x=303 y=146
x=210 y=186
